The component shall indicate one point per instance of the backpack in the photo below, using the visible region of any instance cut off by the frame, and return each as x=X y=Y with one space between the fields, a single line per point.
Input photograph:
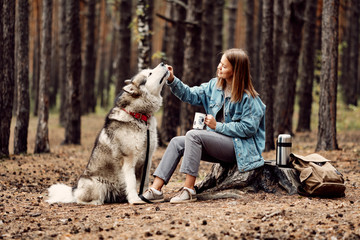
x=317 y=176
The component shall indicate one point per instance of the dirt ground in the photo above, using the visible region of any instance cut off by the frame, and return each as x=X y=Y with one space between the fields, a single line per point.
x=24 y=214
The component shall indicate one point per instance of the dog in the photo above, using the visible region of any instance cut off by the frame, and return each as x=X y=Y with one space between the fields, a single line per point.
x=116 y=163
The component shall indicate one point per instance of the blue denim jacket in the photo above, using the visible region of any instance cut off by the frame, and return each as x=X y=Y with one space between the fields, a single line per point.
x=244 y=120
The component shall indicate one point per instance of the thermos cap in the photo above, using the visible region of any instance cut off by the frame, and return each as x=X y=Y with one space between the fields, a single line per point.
x=284 y=138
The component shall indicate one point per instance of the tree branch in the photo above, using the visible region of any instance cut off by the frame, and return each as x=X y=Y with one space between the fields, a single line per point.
x=180 y=3
x=165 y=18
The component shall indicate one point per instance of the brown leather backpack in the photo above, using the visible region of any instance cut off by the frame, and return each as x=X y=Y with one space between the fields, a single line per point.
x=317 y=176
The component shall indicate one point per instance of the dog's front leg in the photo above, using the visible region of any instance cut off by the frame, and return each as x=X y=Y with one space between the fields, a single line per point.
x=130 y=182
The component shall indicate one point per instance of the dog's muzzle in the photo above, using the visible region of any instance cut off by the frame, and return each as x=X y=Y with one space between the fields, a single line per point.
x=166 y=75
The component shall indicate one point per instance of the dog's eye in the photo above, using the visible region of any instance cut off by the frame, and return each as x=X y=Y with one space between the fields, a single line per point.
x=149 y=74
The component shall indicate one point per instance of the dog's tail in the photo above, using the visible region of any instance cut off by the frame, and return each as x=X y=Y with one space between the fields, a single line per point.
x=61 y=193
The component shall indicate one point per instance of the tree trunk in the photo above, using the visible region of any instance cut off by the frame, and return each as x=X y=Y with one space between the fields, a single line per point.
x=326 y=139
x=88 y=71
x=111 y=56
x=73 y=70
x=191 y=61
x=7 y=74
x=170 y=119
x=255 y=66
x=42 y=134
x=54 y=77
x=4 y=147
x=36 y=60
x=232 y=16
x=62 y=60
x=278 y=34
x=23 y=106
x=143 y=28
x=288 y=71
x=124 y=46
x=267 y=75
x=307 y=67
x=218 y=35
x=351 y=93
x=269 y=178
x=345 y=50
x=249 y=33
x=101 y=54
x=207 y=40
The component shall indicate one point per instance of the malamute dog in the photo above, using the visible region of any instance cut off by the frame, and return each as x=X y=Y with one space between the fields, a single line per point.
x=115 y=166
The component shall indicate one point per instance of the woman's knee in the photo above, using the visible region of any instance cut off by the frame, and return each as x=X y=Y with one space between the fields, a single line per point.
x=192 y=133
x=177 y=142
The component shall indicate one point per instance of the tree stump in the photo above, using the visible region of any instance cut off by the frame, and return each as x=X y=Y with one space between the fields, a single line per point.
x=228 y=182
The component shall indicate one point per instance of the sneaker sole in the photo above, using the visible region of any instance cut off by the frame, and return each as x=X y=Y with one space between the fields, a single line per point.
x=152 y=201
x=184 y=201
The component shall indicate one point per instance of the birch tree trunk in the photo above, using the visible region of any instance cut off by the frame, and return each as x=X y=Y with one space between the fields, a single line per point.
x=7 y=39
x=42 y=144
x=23 y=106
x=307 y=67
x=73 y=74
x=266 y=73
x=143 y=27
x=326 y=139
x=192 y=67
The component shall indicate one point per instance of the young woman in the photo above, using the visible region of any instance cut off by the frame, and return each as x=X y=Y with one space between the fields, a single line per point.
x=235 y=123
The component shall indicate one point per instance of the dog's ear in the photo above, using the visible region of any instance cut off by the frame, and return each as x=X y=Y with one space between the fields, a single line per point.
x=127 y=81
x=132 y=89
x=139 y=80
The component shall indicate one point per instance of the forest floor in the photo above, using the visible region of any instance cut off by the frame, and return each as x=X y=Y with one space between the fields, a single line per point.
x=24 y=214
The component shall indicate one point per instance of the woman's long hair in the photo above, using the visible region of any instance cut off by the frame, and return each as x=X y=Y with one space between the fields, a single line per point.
x=242 y=82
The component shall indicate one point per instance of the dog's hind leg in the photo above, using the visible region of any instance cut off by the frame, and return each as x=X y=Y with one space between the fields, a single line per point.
x=89 y=191
x=130 y=183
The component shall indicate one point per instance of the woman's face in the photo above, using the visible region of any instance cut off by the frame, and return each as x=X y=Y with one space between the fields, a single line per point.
x=225 y=70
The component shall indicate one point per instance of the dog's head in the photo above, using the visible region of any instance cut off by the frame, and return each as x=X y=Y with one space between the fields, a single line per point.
x=143 y=91
x=152 y=79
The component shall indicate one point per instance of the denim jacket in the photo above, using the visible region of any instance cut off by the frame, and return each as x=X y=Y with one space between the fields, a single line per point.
x=244 y=120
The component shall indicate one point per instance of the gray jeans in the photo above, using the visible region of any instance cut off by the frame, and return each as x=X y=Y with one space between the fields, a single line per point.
x=196 y=145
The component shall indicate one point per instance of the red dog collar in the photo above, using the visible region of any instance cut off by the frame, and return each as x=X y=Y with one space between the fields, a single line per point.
x=137 y=115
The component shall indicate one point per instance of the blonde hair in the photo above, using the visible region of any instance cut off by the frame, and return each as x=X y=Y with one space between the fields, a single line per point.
x=242 y=82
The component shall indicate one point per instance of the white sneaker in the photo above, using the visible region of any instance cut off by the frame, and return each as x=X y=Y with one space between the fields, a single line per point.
x=184 y=196
x=151 y=196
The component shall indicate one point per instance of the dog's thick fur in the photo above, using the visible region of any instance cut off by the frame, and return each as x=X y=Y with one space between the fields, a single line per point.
x=115 y=166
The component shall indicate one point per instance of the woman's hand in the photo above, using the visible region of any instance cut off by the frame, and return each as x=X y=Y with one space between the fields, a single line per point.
x=171 y=70
x=210 y=121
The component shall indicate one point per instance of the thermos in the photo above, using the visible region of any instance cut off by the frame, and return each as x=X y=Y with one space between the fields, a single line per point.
x=283 y=150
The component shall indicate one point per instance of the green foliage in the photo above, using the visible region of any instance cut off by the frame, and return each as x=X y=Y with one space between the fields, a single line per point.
x=159 y=55
x=347 y=117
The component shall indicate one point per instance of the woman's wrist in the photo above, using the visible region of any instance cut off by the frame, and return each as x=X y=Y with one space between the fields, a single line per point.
x=171 y=79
